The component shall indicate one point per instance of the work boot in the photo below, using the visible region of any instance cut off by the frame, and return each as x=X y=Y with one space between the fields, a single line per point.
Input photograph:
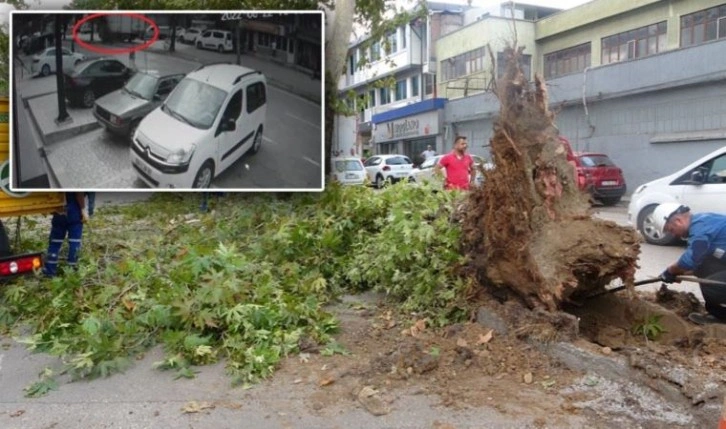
x=704 y=319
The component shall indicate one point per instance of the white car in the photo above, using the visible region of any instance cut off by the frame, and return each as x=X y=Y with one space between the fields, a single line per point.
x=44 y=62
x=382 y=169
x=348 y=171
x=190 y=35
x=425 y=172
x=219 y=40
x=701 y=186
x=211 y=118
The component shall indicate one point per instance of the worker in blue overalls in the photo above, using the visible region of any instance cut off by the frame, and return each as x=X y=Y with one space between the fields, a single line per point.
x=69 y=223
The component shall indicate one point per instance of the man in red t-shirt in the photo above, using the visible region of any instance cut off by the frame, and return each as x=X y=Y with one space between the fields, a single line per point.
x=459 y=166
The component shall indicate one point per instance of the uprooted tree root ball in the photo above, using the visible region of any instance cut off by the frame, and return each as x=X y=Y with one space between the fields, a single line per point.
x=528 y=227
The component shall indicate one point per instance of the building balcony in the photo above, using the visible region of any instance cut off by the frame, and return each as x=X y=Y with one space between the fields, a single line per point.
x=395 y=63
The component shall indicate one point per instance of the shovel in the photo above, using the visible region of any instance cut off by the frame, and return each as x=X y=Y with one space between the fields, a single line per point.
x=658 y=279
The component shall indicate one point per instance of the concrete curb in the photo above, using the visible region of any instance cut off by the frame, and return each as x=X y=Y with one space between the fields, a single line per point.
x=58 y=136
x=54 y=137
x=272 y=81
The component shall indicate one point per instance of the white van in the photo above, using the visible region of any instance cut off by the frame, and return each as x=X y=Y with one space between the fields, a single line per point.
x=219 y=40
x=213 y=116
x=700 y=185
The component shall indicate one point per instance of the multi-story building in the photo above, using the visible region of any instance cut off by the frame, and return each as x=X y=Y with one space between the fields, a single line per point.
x=641 y=80
x=438 y=57
x=404 y=115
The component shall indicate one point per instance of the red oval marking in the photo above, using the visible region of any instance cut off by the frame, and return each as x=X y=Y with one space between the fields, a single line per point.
x=115 y=51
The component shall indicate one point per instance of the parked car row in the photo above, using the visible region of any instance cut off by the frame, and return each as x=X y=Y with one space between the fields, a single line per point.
x=184 y=129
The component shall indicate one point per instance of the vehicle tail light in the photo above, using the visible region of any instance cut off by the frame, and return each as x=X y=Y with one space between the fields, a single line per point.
x=386 y=168
x=20 y=265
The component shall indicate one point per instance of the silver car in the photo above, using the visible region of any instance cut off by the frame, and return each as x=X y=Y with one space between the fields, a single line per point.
x=122 y=110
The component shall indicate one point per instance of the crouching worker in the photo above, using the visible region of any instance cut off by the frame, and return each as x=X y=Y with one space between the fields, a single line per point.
x=705 y=256
x=69 y=223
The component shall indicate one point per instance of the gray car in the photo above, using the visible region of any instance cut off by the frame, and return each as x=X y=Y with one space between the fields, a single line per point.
x=122 y=110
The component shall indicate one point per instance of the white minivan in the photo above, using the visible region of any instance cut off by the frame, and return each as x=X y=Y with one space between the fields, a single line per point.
x=700 y=185
x=214 y=116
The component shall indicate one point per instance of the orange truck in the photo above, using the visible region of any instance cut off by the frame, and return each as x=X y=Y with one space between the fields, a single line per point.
x=14 y=262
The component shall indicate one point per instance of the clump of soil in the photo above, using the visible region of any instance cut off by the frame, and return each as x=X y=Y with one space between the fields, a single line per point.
x=528 y=228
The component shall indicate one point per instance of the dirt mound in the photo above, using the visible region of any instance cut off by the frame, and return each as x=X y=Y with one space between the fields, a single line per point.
x=528 y=227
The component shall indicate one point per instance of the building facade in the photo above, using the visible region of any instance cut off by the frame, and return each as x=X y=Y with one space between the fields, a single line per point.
x=394 y=86
x=640 y=80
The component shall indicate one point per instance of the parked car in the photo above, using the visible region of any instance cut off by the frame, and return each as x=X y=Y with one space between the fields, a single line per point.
x=604 y=180
x=348 y=171
x=44 y=62
x=122 y=110
x=219 y=40
x=190 y=35
x=382 y=169
x=701 y=185
x=425 y=172
x=92 y=79
x=213 y=116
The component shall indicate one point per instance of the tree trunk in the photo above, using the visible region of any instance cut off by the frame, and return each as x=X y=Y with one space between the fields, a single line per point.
x=528 y=227
x=339 y=28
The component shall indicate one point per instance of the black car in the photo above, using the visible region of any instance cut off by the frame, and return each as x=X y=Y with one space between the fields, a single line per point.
x=92 y=79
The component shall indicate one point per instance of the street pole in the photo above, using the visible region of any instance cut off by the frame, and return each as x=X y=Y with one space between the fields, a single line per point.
x=62 y=112
x=236 y=32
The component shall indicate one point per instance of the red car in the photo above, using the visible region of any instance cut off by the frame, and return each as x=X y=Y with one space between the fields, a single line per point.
x=597 y=174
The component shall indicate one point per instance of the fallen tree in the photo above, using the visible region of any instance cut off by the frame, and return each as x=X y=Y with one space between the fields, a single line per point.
x=528 y=228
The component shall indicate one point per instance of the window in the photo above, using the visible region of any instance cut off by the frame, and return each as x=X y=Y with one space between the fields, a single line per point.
x=374 y=160
x=372 y=98
x=703 y=26
x=113 y=67
x=430 y=83
x=566 y=61
x=234 y=108
x=385 y=94
x=401 y=92
x=256 y=96
x=525 y=63
x=637 y=43
x=375 y=51
x=165 y=87
x=391 y=43
x=414 y=86
x=403 y=37
x=463 y=64
x=351 y=63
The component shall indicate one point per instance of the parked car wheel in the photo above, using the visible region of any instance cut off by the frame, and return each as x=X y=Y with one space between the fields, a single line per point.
x=610 y=201
x=199 y=45
x=220 y=48
x=258 y=141
x=380 y=182
x=204 y=176
x=649 y=230
x=88 y=98
x=45 y=71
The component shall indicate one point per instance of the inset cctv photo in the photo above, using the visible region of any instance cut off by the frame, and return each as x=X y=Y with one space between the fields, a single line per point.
x=129 y=100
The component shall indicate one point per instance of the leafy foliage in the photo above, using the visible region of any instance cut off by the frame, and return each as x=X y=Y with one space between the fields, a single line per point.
x=650 y=327
x=244 y=283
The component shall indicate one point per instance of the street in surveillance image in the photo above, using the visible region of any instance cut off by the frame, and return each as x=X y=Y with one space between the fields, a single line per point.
x=130 y=100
